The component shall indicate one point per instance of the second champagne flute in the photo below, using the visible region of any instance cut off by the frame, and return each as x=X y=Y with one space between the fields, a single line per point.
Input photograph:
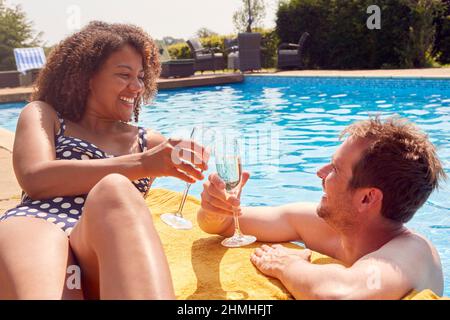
x=229 y=168
x=205 y=137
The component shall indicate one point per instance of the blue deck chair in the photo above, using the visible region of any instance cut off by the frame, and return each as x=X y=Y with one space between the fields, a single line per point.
x=29 y=58
x=29 y=61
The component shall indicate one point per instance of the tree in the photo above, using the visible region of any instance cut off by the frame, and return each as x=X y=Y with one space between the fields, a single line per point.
x=171 y=40
x=15 y=32
x=205 y=33
x=252 y=13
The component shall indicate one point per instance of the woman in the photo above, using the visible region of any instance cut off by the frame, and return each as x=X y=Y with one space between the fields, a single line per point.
x=85 y=170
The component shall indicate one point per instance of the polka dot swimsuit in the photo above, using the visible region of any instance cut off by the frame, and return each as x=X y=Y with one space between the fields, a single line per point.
x=66 y=211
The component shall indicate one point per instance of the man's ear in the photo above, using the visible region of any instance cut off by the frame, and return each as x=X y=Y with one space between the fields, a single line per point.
x=369 y=198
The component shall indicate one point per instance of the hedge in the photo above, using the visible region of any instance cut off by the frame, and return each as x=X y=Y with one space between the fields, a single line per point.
x=442 y=42
x=443 y=50
x=341 y=39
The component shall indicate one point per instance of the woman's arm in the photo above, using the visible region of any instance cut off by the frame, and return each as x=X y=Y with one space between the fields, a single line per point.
x=42 y=177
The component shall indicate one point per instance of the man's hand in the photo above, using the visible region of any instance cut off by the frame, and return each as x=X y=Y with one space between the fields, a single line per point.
x=215 y=199
x=273 y=260
x=216 y=212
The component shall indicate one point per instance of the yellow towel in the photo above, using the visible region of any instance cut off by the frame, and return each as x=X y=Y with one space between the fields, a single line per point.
x=203 y=269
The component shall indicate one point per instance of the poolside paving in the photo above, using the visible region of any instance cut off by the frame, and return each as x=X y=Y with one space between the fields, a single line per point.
x=10 y=189
x=6 y=140
x=10 y=95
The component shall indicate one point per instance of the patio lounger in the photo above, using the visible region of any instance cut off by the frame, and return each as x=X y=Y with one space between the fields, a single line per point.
x=290 y=54
x=205 y=58
x=231 y=48
x=246 y=55
x=174 y=68
x=181 y=68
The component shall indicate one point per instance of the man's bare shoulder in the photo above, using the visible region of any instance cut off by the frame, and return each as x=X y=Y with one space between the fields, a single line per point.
x=415 y=243
x=418 y=257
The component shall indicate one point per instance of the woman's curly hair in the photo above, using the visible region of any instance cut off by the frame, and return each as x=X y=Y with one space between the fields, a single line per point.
x=64 y=81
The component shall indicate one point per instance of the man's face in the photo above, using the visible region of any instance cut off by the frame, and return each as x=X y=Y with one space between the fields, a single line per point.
x=337 y=206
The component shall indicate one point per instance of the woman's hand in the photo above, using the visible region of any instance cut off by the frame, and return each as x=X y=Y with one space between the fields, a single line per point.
x=182 y=159
x=215 y=198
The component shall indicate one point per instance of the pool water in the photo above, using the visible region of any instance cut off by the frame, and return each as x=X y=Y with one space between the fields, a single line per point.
x=290 y=126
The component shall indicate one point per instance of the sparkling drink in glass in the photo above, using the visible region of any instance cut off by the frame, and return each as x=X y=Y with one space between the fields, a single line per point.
x=205 y=137
x=229 y=168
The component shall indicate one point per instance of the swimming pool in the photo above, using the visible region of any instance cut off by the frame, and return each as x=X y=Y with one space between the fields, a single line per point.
x=304 y=117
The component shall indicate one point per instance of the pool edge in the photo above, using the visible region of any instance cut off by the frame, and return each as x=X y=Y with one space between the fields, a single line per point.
x=349 y=76
x=22 y=94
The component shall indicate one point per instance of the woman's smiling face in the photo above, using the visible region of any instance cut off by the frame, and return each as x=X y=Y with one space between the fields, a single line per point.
x=116 y=87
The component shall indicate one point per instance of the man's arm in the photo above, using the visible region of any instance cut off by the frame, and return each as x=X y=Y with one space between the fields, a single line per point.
x=292 y=222
x=267 y=224
x=391 y=272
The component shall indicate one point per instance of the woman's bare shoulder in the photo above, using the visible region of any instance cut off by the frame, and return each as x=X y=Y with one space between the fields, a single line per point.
x=154 y=138
x=40 y=110
x=41 y=106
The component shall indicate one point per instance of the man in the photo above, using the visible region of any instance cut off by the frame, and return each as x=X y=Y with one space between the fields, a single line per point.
x=377 y=179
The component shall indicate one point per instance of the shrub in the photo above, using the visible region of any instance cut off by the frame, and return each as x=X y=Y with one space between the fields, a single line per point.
x=179 y=51
x=269 y=43
x=341 y=39
x=442 y=43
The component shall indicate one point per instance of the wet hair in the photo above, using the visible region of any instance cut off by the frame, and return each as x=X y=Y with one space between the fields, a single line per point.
x=64 y=81
x=400 y=161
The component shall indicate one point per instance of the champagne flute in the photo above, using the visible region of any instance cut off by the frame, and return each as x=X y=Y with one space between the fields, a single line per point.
x=205 y=137
x=229 y=168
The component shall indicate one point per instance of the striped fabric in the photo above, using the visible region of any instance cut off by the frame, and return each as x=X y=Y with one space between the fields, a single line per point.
x=29 y=58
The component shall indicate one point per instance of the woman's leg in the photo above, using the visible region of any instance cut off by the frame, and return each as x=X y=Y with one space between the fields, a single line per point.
x=34 y=259
x=117 y=245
